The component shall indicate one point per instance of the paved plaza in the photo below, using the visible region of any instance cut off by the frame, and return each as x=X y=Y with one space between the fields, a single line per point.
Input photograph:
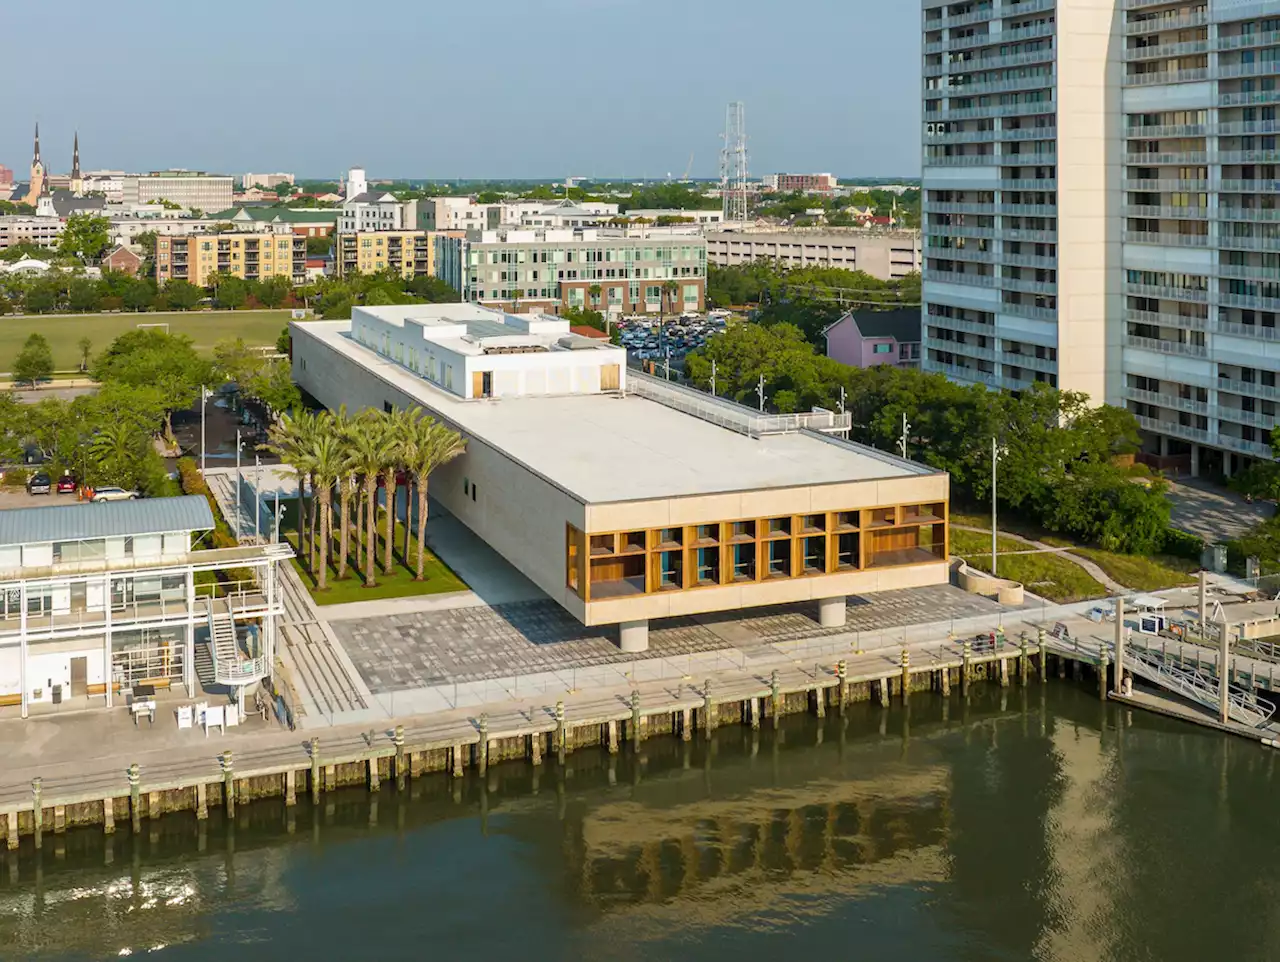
x=422 y=649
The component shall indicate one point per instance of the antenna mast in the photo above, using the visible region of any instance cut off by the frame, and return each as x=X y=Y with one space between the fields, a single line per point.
x=733 y=164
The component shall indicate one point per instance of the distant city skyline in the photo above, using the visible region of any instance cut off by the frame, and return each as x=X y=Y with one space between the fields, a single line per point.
x=581 y=92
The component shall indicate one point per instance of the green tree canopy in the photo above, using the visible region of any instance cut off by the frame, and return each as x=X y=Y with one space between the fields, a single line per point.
x=34 y=362
x=86 y=236
x=149 y=357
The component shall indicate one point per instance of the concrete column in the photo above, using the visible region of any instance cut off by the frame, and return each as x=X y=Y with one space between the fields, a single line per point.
x=37 y=808
x=1119 y=673
x=634 y=635
x=1195 y=460
x=832 y=612
x=315 y=771
x=135 y=797
x=228 y=785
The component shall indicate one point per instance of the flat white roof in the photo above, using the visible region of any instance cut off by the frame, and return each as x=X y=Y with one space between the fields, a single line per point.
x=472 y=330
x=604 y=448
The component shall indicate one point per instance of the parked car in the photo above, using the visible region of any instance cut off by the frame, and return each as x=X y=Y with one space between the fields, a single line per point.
x=67 y=484
x=39 y=483
x=111 y=493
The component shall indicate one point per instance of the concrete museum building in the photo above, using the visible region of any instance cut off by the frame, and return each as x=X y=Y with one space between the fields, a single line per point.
x=625 y=497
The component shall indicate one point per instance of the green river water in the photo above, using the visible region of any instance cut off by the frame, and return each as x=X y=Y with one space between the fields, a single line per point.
x=1033 y=823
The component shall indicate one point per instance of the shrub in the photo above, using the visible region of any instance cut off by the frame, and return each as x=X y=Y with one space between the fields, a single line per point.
x=16 y=477
x=1182 y=544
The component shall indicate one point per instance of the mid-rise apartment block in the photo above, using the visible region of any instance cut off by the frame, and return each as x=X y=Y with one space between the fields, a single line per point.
x=888 y=255
x=1100 y=201
x=409 y=253
x=257 y=256
x=802 y=183
x=597 y=269
x=192 y=189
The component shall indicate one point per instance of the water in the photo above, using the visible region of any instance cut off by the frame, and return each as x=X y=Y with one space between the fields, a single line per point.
x=1030 y=824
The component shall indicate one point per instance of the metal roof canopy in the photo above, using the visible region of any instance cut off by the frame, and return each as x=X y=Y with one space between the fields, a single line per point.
x=111 y=519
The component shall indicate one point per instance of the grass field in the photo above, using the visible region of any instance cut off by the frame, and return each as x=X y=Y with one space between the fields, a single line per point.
x=438 y=577
x=1047 y=575
x=64 y=331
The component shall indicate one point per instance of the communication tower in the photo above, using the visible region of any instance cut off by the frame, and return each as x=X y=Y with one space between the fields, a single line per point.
x=733 y=164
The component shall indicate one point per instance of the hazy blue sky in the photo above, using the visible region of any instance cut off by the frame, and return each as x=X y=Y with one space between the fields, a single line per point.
x=478 y=88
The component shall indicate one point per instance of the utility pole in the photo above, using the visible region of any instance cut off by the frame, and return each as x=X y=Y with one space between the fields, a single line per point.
x=713 y=377
x=668 y=364
x=257 y=495
x=760 y=393
x=844 y=431
x=995 y=457
x=902 y=442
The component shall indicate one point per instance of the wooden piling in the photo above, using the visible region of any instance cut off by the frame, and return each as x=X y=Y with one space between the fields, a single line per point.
x=108 y=816
x=291 y=788
x=59 y=819
x=135 y=797
x=906 y=675
x=966 y=670
x=775 y=699
x=562 y=732
x=316 y=787
x=459 y=760
x=375 y=776
x=11 y=831
x=708 y=709
x=482 y=746
x=202 y=801
x=686 y=724
x=637 y=721
x=612 y=736
x=402 y=770
x=944 y=681
x=1102 y=676
x=535 y=749
x=842 y=687
x=753 y=709
x=1004 y=672
x=228 y=785
x=820 y=702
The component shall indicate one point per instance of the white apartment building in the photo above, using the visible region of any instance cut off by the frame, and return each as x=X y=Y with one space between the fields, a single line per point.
x=266 y=181
x=192 y=189
x=888 y=255
x=96 y=599
x=463 y=213
x=377 y=210
x=1100 y=206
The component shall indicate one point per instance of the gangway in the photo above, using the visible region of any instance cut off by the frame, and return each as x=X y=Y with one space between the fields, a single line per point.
x=1243 y=706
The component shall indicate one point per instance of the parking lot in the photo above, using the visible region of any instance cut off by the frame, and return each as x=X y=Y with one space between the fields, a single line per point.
x=17 y=497
x=648 y=338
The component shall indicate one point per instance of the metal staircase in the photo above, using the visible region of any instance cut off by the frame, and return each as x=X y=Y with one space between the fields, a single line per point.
x=1243 y=705
x=229 y=666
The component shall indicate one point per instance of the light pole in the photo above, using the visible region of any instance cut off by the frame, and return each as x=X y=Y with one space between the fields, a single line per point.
x=760 y=393
x=257 y=495
x=902 y=442
x=239 y=496
x=713 y=377
x=995 y=458
x=204 y=402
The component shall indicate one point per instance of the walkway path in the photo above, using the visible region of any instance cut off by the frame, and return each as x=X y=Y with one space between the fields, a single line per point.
x=1095 y=572
x=1212 y=512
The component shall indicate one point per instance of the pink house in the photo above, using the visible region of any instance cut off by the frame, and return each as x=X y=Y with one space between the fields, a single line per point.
x=870 y=338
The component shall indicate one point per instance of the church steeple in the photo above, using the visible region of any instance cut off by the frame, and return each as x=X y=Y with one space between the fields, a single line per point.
x=75 y=158
x=35 y=157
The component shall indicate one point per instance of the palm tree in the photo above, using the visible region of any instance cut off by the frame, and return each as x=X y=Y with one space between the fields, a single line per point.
x=346 y=481
x=328 y=461
x=594 y=290
x=432 y=445
x=397 y=425
x=370 y=450
x=289 y=439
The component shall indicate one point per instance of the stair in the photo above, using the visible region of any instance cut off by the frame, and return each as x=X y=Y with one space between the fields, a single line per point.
x=204 y=666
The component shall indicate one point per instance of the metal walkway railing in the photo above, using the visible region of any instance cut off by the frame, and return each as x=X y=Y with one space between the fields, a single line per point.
x=1243 y=706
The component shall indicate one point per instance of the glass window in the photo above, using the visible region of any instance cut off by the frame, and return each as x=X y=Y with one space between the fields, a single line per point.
x=708 y=566
x=814 y=555
x=775 y=526
x=670 y=570
x=744 y=562
x=708 y=532
x=846 y=552
x=780 y=559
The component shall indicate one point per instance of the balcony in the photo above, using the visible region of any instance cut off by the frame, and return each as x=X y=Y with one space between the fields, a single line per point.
x=1166 y=240
x=971 y=254
x=1248 y=302
x=1170 y=401
x=961 y=136
x=1167 y=292
x=1030 y=210
x=1258 y=68
x=1241 y=416
x=961 y=160
x=1254 y=214
x=1160 y=346
x=1185 y=48
x=1246 y=97
x=1029 y=133
x=1227 y=157
x=1175 y=429
x=1157 y=131
x=1029 y=310
x=958 y=373
x=1231 y=242
x=958 y=347
x=1164 y=213
x=1248 y=388
x=968 y=278
x=1162 y=319
x=1039 y=235
x=1160 y=24
x=1020 y=109
x=959 y=324
x=1029 y=260
x=1192 y=75
x=1027 y=286
x=1029 y=184
x=1030 y=82
x=958 y=230
x=1179 y=157
x=1248 y=273
x=951 y=207
x=1166 y=186
x=1264 y=38
x=1029 y=361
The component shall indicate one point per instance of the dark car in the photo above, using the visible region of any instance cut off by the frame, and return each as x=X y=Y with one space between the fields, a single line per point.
x=39 y=483
x=66 y=484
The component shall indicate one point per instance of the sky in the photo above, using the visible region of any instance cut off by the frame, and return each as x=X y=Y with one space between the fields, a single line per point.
x=465 y=88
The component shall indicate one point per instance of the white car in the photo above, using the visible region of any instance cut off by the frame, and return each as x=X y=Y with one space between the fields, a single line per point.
x=113 y=494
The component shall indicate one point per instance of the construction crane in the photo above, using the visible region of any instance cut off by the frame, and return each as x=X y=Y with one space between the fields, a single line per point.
x=688 y=169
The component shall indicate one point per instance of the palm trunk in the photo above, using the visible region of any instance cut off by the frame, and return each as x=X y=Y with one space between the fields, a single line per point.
x=422 y=528
x=408 y=502
x=370 y=548
x=389 y=542
x=344 y=505
x=313 y=548
x=302 y=517
x=326 y=530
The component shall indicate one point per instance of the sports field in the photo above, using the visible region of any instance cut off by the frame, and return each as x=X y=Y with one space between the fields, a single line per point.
x=64 y=331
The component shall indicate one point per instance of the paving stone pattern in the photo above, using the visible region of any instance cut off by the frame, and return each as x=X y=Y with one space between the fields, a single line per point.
x=398 y=652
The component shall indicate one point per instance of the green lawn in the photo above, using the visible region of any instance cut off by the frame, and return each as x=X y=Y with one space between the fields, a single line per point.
x=1047 y=575
x=64 y=331
x=438 y=578
x=1137 y=572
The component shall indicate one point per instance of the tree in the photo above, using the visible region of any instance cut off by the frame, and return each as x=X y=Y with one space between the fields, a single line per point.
x=274 y=291
x=398 y=426
x=85 y=236
x=328 y=462
x=432 y=290
x=370 y=450
x=284 y=343
x=83 y=295
x=321 y=244
x=42 y=297
x=139 y=295
x=429 y=445
x=272 y=383
x=231 y=293
x=150 y=357
x=595 y=291
x=183 y=295
x=289 y=439
x=34 y=362
x=84 y=346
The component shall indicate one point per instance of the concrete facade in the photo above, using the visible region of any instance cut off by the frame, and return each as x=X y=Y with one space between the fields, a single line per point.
x=256 y=256
x=410 y=253
x=888 y=255
x=192 y=189
x=1099 y=183
x=549 y=480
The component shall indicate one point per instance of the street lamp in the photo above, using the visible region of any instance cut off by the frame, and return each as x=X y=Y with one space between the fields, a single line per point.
x=996 y=451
